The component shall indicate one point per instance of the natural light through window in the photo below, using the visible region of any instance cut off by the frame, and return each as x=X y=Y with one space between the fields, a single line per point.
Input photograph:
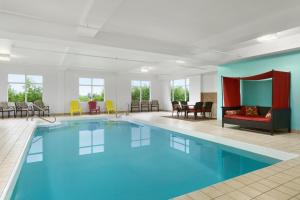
x=140 y=136
x=91 y=141
x=23 y=87
x=91 y=89
x=180 y=90
x=35 y=153
x=140 y=90
x=180 y=143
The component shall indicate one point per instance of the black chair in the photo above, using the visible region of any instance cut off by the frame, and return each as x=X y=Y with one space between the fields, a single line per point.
x=135 y=105
x=4 y=107
x=40 y=104
x=145 y=105
x=208 y=108
x=197 y=108
x=22 y=107
x=154 y=104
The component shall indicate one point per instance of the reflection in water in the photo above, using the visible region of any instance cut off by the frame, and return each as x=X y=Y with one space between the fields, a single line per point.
x=35 y=153
x=91 y=141
x=180 y=143
x=140 y=136
x=173 y=164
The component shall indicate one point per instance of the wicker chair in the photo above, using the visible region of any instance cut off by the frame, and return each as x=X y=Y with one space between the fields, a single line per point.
x=22 y=107
x=154 y=104
x=135 y=105
x=40 y=104
x=4 y=107
x=145 y=105
x=176 y=108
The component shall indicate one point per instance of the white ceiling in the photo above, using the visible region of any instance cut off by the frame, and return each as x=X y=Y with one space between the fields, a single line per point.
x=124 y=35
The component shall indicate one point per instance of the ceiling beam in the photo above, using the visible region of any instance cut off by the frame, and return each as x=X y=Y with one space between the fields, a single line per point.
x=68 y=52
x=83 y=19
x=104 y=12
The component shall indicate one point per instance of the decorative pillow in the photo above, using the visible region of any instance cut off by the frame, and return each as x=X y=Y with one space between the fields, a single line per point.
x=232 y=112
x=251 y=111
x=243 y=110
x=269 y=114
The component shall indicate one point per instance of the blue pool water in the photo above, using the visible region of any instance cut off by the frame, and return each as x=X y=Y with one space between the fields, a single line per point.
x=98 y=159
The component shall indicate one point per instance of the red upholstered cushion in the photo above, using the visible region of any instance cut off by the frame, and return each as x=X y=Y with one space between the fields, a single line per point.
x=232 y=112
x=243 y=110
x=269 y=114
x=251 y=111
x=256 y=118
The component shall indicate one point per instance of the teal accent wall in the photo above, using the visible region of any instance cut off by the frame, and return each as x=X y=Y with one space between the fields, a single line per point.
x=255 y=93
x=289 y=62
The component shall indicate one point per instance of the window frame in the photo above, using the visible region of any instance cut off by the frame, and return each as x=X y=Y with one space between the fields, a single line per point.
x=140 y=89
x=91 y=85
x=186 y=87
x=35 y=153
x=25 y=86
x=93 y=144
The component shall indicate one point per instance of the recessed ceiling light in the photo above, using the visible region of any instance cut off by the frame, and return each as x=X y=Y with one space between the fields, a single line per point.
x=4 y=57
x=266 y=38
x=180 y=61
x=145 y=69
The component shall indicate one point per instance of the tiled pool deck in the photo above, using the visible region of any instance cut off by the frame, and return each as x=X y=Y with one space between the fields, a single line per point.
x=280 y=181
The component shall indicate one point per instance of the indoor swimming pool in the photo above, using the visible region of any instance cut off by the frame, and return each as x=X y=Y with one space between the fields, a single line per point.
x=103 y=159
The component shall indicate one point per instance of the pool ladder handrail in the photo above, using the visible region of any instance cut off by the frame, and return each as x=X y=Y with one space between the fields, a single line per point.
x=41 y=109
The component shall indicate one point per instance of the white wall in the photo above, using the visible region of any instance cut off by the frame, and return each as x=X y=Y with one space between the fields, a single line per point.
x=195 y=89
x=61 y=86
x=165 y=90
x=209 y=82
x=198 y=83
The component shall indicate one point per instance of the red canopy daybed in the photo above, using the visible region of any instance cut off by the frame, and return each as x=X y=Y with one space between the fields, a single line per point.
x=280 y=110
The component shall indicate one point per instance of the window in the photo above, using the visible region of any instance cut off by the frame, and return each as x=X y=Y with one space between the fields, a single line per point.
x=140 y=90
x=180 y=90
x=91 y=141
x=180 y=143
x=28 y=88
x=91 y=89
x=35 y=153
x=140 y=137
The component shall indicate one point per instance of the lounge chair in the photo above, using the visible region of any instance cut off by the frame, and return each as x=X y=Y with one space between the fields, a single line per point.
x=110 y=106
x=154 y=104
x=22 y=107
x=135 y=105
x=75 y=107
x=93 y=107
x=145 y=105
x=40 y=104
x=4 y=107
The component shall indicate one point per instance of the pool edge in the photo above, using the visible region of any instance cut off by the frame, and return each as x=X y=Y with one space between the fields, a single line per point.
x=8 y=189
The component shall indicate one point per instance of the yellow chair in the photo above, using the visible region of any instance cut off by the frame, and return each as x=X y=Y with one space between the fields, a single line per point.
x=75 y=107
x=110 y=106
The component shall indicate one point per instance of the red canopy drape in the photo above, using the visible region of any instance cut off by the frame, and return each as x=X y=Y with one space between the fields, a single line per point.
x=280 y=88
x=231 y=92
